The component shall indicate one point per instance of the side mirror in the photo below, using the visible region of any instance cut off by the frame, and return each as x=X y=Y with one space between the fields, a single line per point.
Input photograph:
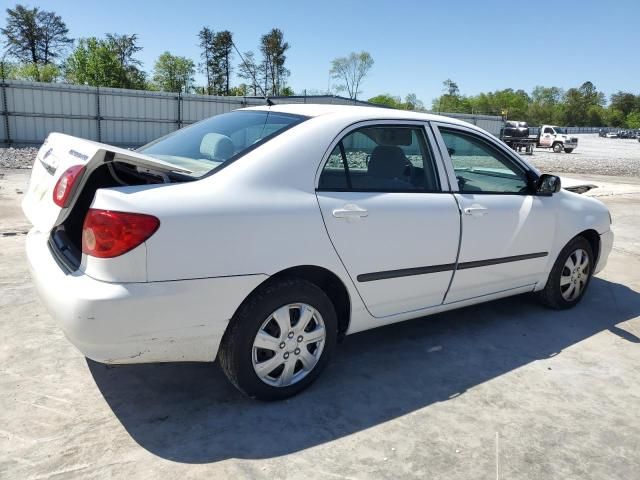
x=548 y=185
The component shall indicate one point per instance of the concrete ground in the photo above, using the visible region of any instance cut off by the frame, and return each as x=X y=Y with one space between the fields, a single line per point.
x=502 y=390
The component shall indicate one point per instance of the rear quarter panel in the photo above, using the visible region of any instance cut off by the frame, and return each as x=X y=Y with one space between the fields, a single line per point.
x=259 y=215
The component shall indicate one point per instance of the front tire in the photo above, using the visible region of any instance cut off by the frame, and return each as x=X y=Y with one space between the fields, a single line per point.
x=568 y=150
x=279 y=340
x=557 y=147
x=570 y=275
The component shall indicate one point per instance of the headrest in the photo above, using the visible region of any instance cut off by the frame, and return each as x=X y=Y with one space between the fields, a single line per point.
x=216 y=146
x=387 y=161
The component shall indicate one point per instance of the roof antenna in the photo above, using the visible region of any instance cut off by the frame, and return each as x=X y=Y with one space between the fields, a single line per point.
x=253 y=75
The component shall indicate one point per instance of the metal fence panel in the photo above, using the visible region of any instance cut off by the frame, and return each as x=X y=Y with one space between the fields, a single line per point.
x=131 y=117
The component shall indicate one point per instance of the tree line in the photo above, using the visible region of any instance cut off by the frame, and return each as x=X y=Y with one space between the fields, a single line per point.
x=582 y=106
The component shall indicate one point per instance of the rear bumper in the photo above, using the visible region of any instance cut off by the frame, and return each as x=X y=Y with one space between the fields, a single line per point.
x=137 y=322
x=606 y=244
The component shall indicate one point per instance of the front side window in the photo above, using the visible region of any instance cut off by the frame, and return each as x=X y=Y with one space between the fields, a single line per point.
x=549 y=130
x=480 y=168
x=207 y=145
x=380 y=158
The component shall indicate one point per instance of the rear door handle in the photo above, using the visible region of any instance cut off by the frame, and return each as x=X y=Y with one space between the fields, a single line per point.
x=350 y=211
x=476 y=211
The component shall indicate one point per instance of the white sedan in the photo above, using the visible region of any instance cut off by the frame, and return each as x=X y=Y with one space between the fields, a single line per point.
x=262 y=236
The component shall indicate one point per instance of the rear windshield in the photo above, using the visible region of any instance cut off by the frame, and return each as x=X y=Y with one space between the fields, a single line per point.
x=207 y=145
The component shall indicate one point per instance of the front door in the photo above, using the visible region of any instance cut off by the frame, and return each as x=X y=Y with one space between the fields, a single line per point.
x=507 y=232
x=391 y=224
x=547 y=136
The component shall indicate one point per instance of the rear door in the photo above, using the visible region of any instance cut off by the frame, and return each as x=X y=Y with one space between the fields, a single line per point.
x=507 y=232
x=394 y=226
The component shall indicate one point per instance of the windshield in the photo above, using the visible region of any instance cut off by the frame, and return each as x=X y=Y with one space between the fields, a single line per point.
x=560 y=130
x=206 y=145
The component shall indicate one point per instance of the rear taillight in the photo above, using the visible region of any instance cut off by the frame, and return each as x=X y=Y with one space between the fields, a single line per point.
x=64 y=185
x=108 y=234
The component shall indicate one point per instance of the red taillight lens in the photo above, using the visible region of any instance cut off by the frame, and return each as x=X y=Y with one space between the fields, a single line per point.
x=108 y=234
x=64 y=185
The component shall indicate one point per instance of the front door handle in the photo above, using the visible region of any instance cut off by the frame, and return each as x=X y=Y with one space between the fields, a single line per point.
x=476 y=211
x=350 y=211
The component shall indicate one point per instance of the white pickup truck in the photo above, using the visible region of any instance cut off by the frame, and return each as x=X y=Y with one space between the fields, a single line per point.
x=550 y=136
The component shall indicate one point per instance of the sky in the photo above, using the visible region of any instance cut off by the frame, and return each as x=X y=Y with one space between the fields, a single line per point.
x=481 y=45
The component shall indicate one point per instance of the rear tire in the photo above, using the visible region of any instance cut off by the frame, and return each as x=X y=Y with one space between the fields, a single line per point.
x=557 y=147
x=570 y=275
x=568 y=150
x=266 y=335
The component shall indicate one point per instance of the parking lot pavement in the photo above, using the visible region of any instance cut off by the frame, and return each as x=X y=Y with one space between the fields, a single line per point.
x=594 y=155
x=502 y=390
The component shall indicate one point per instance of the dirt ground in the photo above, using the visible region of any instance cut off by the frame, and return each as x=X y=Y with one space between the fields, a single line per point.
x=501 y=390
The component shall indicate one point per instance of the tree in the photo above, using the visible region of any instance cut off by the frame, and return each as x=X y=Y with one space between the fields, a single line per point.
x=93 y=63
x=614 y=117
x=451 y=100
x=272 y=69
x=545 y=105
x=241 y=90
x=105 y=63
x=578 y=101
x=633 y=120
x=35 y=36
x=413 y=103
x=124 y=47
x=287 y=91
x=387 y=100
x=222 y=56
x=28 y=71
x=33 y=73
x=217 y=53
x=450 y=88
x=625 y=102
x=351 y=71
x=54 y=32
x=248 y=70
x=173 y=73
x=206 y=36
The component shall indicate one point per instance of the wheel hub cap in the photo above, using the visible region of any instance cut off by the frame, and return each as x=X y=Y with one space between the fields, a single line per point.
x=288 y=345
x=575 y=275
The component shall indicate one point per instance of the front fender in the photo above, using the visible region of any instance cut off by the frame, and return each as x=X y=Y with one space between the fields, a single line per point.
x=575 y=214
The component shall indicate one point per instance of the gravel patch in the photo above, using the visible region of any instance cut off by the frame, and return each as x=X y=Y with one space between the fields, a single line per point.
x=594 y=156
x=17 y=157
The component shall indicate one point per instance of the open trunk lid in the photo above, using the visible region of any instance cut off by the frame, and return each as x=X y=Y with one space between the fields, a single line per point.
x=60 y=152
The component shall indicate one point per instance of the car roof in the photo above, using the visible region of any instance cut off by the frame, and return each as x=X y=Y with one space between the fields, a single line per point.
x=357 y=113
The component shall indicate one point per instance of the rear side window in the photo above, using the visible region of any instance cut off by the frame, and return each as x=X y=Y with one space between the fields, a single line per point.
x=209 y=144
x=381 y=159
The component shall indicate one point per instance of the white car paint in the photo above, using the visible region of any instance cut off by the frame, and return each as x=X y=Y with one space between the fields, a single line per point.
x=171 y=298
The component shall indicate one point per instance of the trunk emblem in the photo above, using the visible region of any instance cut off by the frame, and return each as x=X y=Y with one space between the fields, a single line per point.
x=79 y=155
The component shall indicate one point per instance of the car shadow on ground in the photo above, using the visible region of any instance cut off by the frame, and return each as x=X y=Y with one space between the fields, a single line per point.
x=188 y=412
